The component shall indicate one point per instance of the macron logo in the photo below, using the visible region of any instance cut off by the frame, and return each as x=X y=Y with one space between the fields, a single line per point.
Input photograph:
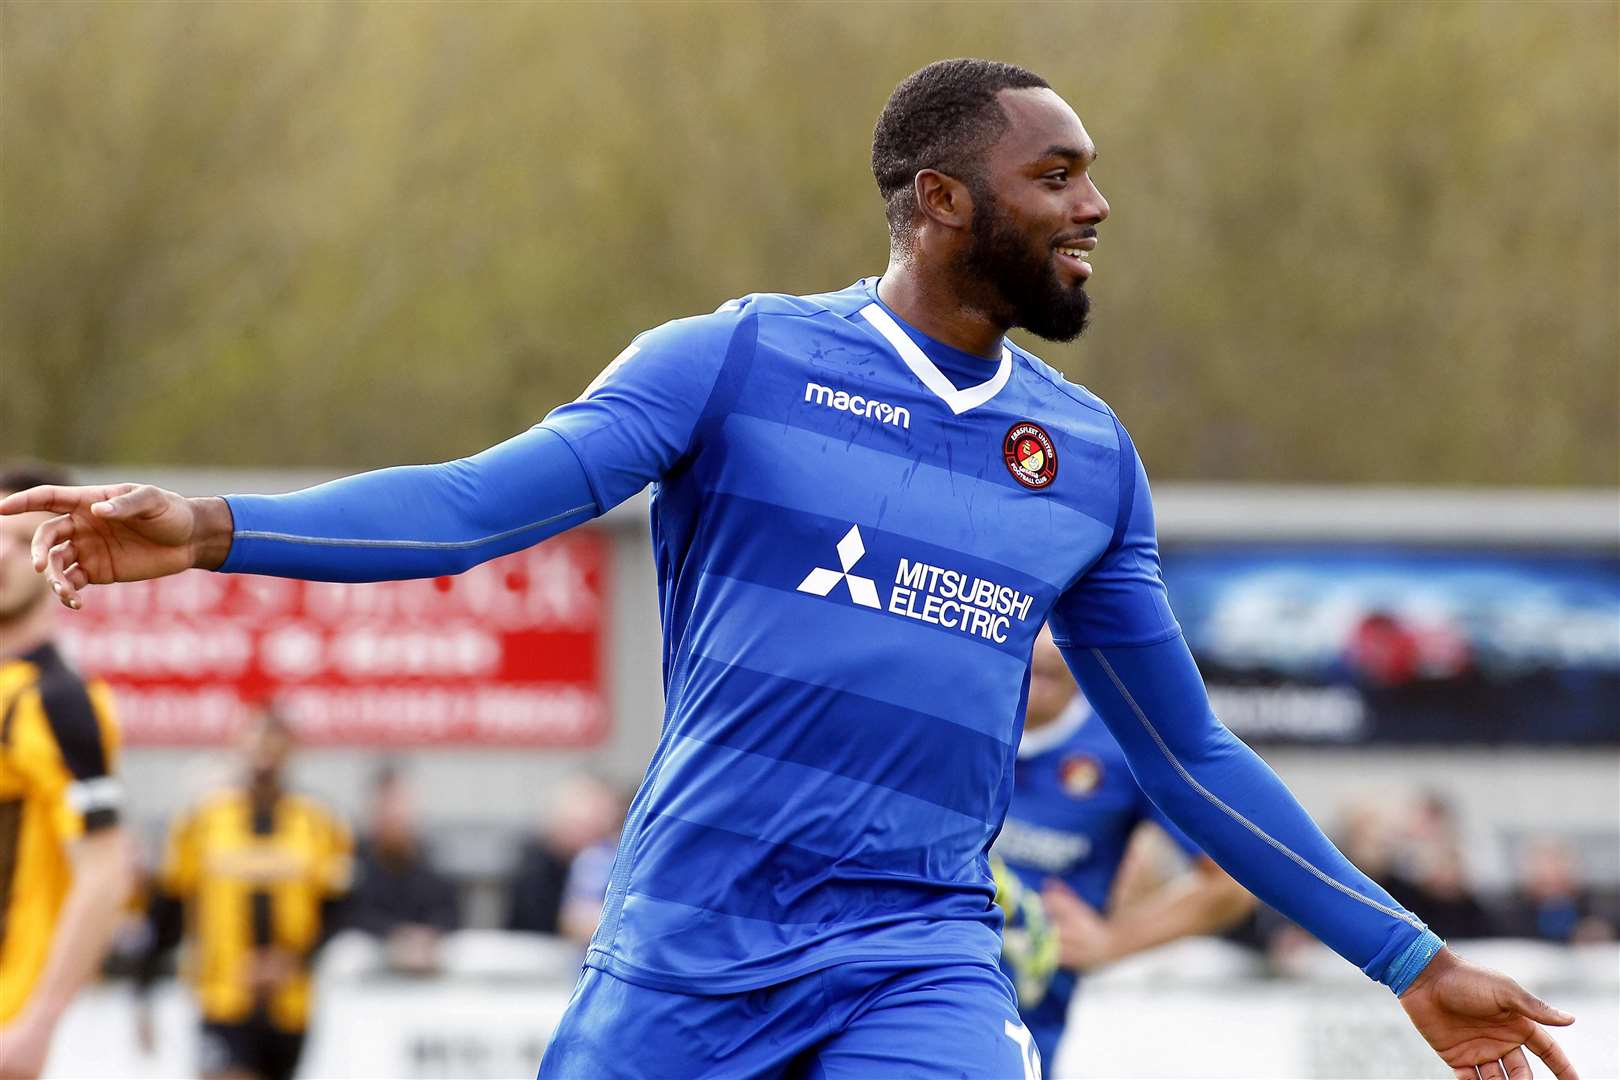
x=862 y=590
x=856 y=405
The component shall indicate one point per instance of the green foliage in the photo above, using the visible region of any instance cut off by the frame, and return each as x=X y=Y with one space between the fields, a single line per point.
x=1350 y=242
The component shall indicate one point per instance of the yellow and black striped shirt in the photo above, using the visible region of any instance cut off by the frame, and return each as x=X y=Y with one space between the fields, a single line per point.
x=58 y=750
x=254 y=878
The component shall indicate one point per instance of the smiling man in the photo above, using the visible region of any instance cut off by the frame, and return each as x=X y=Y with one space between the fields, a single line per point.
x=849 y=602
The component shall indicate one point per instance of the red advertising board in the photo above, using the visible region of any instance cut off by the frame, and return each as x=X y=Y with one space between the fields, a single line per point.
x=511 y=653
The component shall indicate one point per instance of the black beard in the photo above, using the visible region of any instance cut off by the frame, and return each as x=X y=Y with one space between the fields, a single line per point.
x=1026 y=282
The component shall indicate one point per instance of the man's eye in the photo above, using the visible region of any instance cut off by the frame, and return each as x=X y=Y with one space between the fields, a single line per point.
x=1061 y=176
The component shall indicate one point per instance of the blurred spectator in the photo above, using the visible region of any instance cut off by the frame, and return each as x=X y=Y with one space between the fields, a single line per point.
x=1552 y=903
x=398 y=896
x=1430 y=876
x=1367 y=840
x=585 y=811
x=1442 y=898
x=1431 y=832
x=586 y=890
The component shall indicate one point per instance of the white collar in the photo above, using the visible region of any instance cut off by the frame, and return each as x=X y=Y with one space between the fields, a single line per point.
x=1069 y=721
x=960 y=401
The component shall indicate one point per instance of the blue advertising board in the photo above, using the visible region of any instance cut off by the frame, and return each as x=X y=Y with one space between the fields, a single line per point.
x=1318 y=642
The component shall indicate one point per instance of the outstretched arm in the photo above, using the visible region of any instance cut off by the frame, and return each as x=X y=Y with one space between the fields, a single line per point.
x=1117 y=633
x=1230 y=802
x=633 y=424
x=1222 y=795
x=412 y=521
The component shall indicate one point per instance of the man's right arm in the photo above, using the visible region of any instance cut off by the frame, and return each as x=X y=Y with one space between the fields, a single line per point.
x=415 y=520
x=631 y=426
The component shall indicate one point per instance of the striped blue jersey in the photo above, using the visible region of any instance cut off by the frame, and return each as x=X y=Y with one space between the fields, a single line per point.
x=858 y=532
x=1075 y=805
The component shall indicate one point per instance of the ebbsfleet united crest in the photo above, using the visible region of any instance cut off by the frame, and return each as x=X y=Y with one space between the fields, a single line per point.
x=1030 y=455
x=1079 y=774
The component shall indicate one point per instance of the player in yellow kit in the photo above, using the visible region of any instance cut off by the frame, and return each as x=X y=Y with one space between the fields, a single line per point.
x=254 y=876
x=65 y=864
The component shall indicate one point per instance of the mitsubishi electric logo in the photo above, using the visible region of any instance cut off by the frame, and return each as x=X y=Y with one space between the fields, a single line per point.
x=953 y=599
x=862 y=590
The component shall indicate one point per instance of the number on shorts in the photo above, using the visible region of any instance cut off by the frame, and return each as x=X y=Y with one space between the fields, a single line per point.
x=1027 y=1051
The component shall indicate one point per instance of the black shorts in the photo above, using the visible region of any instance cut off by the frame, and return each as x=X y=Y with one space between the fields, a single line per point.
x=254 y=1046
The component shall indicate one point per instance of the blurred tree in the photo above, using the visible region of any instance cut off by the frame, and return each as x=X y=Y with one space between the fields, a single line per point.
x=1350 y=242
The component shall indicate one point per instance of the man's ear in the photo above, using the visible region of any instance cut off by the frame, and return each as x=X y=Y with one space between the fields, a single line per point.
x=943 y=199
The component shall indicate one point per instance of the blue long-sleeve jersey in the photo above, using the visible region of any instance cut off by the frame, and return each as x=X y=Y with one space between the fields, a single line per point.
x=858 y=533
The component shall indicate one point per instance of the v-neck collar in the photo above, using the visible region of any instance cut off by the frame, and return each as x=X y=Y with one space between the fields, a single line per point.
x=959 y=401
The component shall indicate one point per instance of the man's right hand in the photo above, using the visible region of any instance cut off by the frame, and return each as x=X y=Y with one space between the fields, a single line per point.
x=120 y=532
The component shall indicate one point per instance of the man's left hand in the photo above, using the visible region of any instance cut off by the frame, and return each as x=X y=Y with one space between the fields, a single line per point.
x=1481 y=1022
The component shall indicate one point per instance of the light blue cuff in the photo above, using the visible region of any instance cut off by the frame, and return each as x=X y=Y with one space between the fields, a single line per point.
x=1405 y=968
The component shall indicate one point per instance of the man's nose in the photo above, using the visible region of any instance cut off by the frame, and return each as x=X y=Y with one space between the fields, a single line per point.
x=1091 y=207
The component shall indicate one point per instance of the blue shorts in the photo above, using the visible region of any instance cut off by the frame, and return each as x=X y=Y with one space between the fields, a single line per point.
x=1047 y=1018
x=847 y=1022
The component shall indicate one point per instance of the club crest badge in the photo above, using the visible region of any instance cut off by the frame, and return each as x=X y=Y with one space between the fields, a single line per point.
x=1030 y=455
x=1079 y=774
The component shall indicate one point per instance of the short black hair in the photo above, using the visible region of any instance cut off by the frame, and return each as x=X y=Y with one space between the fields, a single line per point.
x=24 y=474
x=943 y=117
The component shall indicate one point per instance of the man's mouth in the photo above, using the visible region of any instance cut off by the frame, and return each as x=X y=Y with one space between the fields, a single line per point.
x=1076 y=255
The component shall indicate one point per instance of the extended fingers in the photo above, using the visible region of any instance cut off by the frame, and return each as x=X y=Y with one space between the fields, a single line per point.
x=1545 y=1047
x=46 y=497
x=57 y=499
x=1539 y=1011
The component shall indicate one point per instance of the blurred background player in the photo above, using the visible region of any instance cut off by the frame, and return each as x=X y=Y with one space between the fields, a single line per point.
x=399 y=898
x=584 y=813
x=255 y=874
x=1075 y=811
x=65 y=864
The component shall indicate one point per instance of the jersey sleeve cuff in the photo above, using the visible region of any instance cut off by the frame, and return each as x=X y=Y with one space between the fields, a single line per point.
x=236 y=555
x=1403 y=971
x=250 y=541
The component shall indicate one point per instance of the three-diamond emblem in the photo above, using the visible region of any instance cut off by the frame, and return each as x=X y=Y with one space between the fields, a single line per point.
x=862 y=590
